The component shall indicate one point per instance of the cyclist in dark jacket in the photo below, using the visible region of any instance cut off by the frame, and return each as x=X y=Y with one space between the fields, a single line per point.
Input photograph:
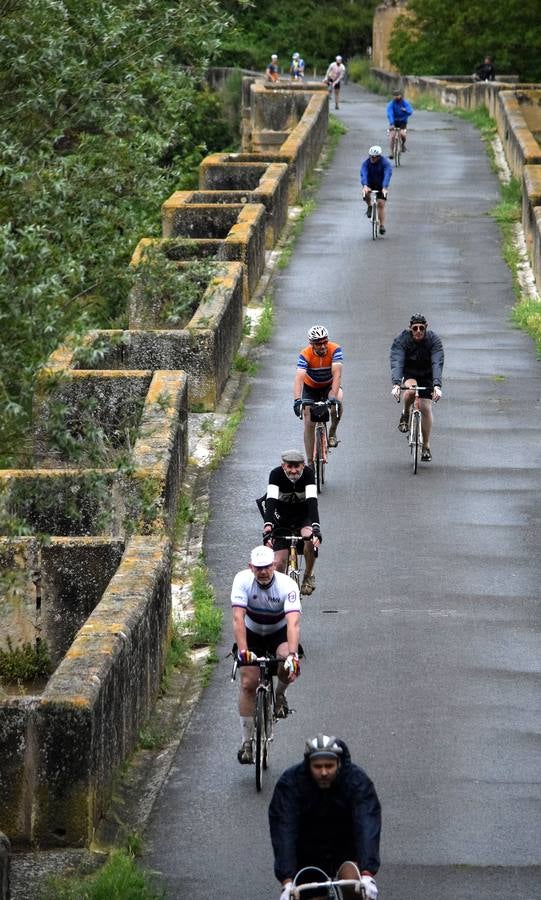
x=417 y=358
x=376 y=173
x=323 y=812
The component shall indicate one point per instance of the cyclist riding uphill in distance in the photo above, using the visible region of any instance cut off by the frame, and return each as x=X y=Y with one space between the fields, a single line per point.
x=398 y=113
x=325 y=813
x=376 y=174
x=291 y=508
x=266 y=619
x=296 y=69
x=318 y=377
x=417 y=358
x=335 y=78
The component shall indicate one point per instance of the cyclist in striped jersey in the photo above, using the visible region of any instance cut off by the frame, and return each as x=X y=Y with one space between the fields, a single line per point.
x=318 y=377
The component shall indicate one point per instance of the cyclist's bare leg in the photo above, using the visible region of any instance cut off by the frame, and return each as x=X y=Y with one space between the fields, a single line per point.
x=408 y=396
x=308 y=550
x=381 y=210
x=309 y=429
x=249 y=679
x=283 y=678
x=426 y=420
x=280 y=559
x=403 y=134
x=392 y=133
x=334 y=414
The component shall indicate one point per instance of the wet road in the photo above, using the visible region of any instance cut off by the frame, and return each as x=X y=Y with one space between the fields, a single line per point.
x=423 y=633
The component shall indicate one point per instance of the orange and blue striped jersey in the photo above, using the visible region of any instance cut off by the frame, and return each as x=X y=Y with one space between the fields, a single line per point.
x=318 y=369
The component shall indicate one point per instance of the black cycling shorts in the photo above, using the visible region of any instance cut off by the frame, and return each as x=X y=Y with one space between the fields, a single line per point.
x=312 y=393
x=424 y=382
x=279 y=544
x=401 y=125
x=266 y=643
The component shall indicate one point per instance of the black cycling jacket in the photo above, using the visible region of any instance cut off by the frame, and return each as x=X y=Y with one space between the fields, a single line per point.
x=412 y=359
x=311 y=826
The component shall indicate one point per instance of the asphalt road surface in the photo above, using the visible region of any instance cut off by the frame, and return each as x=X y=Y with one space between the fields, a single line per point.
x=423 y=634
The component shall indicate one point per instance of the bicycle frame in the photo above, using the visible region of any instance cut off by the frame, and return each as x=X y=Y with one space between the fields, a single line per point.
x=396 y=143
x=374 y=197
x=415 y=429
x=321 y=441
x=264 y=712
x=293 y=562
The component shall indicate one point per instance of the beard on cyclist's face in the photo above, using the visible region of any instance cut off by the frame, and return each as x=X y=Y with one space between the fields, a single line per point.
x=263 y=574
x=320 y=347
x=293 y=470
x=418 y=332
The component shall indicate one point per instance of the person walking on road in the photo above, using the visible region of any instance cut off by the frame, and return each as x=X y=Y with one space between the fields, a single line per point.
x=334 y=79
x=266 y=619
x=417 y=358
x=325 y=813
x=398 y=113
x=376 y=174
x=271 y=72
x=318 y=377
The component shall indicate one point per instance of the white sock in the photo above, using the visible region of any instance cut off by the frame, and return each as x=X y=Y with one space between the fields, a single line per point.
x=246 y=728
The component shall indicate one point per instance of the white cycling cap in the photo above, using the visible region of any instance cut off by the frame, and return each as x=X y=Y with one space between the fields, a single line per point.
x=375 y=150
x=262 y=556
x=338 y=59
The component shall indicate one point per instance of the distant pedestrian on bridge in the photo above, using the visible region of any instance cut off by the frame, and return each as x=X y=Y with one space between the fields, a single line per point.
x=485 y=71
x=272 y=70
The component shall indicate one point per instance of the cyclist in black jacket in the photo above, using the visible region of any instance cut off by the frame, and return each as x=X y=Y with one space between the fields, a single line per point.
x=325 y=812
x=417 y=358
x=291 y=508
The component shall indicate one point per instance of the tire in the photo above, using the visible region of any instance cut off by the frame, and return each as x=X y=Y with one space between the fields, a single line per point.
x=397 y=150
x=415 y=442
x=319 y=462
x=268 y=726
x=260 y=738
x=375 y=221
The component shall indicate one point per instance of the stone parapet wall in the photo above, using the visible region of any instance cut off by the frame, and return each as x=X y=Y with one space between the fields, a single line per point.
x=85 y=553
x=517 y=113
x=231 y=232
x=60 y=750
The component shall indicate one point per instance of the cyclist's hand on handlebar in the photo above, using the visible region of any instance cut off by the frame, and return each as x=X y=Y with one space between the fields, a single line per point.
x=436 y=393
x=384 y=193
x=316 y=535
x=297 y=407
x=246 y=656
x=267 y=534
x=396 y=392
x=370 y=887
x=292 y=666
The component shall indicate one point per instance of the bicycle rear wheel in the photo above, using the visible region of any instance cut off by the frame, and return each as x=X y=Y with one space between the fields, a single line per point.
x=260 y=737
x=375 y=220
x=415 y=441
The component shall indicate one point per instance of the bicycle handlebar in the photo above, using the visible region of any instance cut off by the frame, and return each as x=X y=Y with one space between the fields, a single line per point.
x=297 y=891
x=320 y=402
x=259 y=661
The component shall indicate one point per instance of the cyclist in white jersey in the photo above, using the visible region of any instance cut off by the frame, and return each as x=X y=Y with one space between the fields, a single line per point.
x=266 y=618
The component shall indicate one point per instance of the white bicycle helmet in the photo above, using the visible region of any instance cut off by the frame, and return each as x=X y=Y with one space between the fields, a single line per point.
x=317 y=333
x=296 y=55
x=375 y=150
x=338 y=59
x=322 y=745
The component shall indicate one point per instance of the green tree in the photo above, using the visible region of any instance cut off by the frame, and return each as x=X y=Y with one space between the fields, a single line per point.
x=442 y=38
x=274 y=26
x=103 y=115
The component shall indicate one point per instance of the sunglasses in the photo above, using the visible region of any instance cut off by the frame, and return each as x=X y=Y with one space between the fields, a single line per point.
x=418 y=327
x=320 y=343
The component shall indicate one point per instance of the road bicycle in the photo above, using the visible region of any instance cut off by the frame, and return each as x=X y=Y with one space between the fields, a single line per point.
x=374 y=217
x=333 y=888
x=396 y=144
x=320 y=415
x=415 y=431
x=265 y=710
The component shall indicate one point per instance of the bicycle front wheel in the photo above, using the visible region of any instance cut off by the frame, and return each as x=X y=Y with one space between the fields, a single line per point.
x=260 y=737
x=415 y=442
x=269 y=725
x=397 y=149
x=319 y=461
x=375 y=221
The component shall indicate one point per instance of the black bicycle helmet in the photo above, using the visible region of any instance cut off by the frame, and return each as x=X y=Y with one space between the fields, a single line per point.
x=417 y=319
x=322 y=745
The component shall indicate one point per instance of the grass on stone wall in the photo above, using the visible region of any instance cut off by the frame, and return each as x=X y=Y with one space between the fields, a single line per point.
x=527 y=315
x=120 y=878
x=207 y=617
x=265 y=323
